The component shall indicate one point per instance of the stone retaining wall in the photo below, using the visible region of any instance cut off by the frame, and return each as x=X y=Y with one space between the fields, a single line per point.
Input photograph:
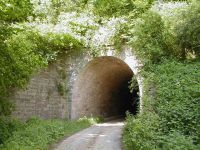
x=49 y=92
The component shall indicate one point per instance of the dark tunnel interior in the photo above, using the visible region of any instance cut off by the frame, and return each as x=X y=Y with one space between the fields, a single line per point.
x=102 y=89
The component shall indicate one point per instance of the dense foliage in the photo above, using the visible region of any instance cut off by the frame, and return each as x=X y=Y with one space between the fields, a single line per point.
x=36 y=133
x=177 y=97
x=150 y=38
x=187 y=30
x=170 y=118
x=168 y=45
x=24 y=50
x=24 y=53
x=115 y=8
x=15 y=11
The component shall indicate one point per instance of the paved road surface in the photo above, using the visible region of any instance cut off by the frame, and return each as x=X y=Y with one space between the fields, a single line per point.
x=105 y=136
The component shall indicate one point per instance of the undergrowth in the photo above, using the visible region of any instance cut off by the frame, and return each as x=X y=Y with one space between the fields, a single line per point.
x=171 y=116
x=36 y=133
x=170 y=52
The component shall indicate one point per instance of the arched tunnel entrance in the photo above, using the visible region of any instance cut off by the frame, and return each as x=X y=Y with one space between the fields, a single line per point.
x=101 y=89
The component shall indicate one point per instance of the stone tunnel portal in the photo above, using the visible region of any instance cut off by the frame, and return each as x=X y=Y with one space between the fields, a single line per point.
x=101 y=89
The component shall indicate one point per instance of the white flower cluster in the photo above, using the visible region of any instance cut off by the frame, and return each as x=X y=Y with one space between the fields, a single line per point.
x=72 y=23
x=41 y=6
x=103 y=35
x=83 y=26
x=167 y=9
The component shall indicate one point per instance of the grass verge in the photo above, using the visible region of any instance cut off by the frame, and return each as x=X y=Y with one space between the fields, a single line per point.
x=38 y=134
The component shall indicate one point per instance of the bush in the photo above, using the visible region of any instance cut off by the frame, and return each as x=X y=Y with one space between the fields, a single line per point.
x=113 y=8
x=140 y=132
x=7 y=127
x=177 y=97
x=187 y=31
x=15 y=11
x=150 y=39
x=171 y=117
x=177 y=141
x=6 y=107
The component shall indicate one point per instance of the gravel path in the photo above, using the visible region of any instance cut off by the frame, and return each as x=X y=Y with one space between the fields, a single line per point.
x=105 y=136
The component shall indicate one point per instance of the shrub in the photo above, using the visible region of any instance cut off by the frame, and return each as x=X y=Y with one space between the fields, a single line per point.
x=5 y=31
x=133 y=84
x=141 y=132
x=187 y=31
x=150 y=39
x=7 y=127
x=15 y=11
x=177 y=141
x=113 y=8
x=171 y=100
x=6 y=107
x=177 y=97
x=122 y=35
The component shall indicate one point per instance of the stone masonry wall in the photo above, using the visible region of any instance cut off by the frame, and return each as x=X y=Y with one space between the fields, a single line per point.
x=49 y=92
x=41 y=97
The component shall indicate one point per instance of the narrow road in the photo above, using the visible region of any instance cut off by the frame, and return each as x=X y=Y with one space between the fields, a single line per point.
x=105 y=136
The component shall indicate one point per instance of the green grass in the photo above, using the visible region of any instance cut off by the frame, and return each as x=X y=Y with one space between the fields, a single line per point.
x=39 y=134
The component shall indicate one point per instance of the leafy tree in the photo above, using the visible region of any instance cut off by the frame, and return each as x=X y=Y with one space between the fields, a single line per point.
x=15 y=11
x=187 y=31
